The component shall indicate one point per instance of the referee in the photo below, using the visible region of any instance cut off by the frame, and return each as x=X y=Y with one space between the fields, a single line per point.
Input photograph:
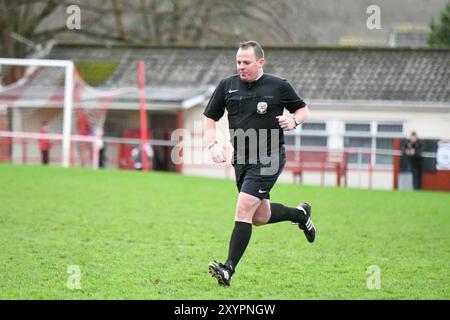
x=255 y=102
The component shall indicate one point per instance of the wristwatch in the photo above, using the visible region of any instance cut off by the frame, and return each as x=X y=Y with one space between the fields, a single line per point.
x=296 y=123
x=212 y=144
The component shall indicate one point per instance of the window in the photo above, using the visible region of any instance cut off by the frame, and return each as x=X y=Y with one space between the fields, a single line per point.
x=376 y=137
x=314 y=126
x=359 y=143
x=314 y=141
x=314 y=134
x=386 y=132
x=289 y=139
x=398 y=128
x=309 y=134
x=383 y=144
x=359 y=127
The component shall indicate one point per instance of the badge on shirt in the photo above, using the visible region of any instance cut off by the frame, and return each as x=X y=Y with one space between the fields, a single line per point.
x=261 y=107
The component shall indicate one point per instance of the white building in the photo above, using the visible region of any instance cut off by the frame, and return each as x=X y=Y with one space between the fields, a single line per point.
x=360 y=99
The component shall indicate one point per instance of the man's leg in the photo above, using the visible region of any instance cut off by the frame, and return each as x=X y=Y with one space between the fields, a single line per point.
x=45 y=157
x=240 y=237
x=417 y=172
x=268 y=213
x=419 y=178
x=416 y=176
x=262 y=213
x=276 y=212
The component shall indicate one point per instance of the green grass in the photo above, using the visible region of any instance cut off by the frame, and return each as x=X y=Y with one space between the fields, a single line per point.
x=137 y=235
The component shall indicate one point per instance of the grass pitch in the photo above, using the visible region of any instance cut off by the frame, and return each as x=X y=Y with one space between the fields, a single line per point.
x=137 y=235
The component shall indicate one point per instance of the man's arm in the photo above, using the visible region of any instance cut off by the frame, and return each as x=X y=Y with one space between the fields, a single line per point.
x=209 y=126
x=289 y=123
x=301 y=114
x=216 y=151
x=418 y=149
x=407 y=149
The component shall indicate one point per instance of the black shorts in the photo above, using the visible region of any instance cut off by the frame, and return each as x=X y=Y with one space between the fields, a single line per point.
x=258 y=179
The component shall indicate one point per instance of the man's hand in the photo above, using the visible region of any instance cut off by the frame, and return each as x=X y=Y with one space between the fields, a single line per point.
x=217 y=153
x=286 y=123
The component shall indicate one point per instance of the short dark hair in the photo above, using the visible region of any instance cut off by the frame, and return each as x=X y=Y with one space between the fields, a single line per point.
x=259 y=52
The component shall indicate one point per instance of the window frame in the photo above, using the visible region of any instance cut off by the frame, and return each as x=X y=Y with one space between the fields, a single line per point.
x=373 y=134
x=299 y=132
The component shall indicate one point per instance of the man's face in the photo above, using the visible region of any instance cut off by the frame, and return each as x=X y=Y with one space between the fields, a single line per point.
x=247 y=66
x=413 y=138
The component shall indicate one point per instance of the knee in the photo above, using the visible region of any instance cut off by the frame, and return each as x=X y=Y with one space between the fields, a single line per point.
x=261 y=216
x=257 y=221
x=244 y=212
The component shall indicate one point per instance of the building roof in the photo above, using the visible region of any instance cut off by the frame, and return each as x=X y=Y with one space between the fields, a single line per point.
x=321 y=73
x=43 y=88
x=184 y=75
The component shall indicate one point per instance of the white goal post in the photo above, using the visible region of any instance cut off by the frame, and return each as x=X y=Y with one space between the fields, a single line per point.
x=68 y=95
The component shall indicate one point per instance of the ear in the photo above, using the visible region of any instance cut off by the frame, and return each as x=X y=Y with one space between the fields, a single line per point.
x=261 y=62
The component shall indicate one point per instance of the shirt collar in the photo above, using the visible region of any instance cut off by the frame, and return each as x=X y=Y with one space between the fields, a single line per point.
x=254 y=81
x=262 y=72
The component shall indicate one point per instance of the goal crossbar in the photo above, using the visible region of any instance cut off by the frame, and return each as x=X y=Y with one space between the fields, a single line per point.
x=68 y=94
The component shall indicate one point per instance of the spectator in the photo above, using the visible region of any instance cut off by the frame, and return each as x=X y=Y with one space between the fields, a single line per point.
x=137 y=157
x=44 y=143
x=413 y=150
x=101 y=147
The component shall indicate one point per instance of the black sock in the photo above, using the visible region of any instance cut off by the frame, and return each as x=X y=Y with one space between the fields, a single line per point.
x=240 y=238
x=279 y=212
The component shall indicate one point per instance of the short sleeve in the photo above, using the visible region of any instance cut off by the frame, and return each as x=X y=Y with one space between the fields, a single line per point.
x=216 y=105
x=290 y=99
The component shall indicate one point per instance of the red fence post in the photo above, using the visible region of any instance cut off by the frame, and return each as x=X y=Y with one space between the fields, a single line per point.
x=24 y=151
x=396 y=162
x=143 y=114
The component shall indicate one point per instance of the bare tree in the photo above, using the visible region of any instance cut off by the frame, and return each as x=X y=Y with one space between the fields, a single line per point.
x=118 y=10
x=18 y=22
x=25 y=23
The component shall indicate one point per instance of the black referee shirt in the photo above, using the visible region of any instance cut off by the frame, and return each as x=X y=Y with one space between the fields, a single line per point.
x=253 y=105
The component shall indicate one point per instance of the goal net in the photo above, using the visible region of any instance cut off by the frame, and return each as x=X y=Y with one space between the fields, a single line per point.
x=46 y=107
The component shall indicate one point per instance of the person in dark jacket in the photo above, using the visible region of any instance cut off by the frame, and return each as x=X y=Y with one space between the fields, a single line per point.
x=413 y=150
